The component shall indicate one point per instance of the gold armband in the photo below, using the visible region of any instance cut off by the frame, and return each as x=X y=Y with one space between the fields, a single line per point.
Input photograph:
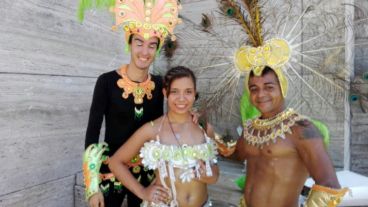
x=242 y=202
x=225 y=148
x=321 y=196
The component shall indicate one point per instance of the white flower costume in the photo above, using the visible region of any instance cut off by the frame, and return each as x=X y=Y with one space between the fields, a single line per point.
x=165 y=158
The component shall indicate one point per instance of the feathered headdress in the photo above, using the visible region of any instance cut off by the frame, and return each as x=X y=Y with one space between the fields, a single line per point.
x=274 y=53
x=148 y=18
x=303 y=43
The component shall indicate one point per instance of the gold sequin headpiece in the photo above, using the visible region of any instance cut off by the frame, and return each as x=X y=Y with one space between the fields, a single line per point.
x=275 y=53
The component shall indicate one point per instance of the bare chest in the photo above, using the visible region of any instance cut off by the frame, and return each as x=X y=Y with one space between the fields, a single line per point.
x=280 y=148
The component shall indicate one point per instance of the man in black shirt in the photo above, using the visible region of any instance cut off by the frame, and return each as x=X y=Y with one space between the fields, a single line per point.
x=127 y=97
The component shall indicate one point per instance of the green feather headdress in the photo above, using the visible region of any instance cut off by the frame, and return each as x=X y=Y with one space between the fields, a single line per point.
x=93 y=4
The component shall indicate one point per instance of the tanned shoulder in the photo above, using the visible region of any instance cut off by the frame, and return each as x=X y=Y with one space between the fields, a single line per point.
x=307 y=130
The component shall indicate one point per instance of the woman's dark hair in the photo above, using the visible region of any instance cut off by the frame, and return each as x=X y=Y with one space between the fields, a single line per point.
x=176 y=73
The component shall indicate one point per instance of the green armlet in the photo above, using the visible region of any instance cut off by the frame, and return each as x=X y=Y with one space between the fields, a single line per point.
x=92 y=160
x=321 y=196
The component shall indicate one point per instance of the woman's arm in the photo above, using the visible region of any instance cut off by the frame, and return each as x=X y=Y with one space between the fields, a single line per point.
x=118 y=162
x=118 y=165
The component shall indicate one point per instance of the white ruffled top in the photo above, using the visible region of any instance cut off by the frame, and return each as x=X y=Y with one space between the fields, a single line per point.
x=165 y=158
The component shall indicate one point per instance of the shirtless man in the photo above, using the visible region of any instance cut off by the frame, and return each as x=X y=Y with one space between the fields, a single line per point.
x=282 y=149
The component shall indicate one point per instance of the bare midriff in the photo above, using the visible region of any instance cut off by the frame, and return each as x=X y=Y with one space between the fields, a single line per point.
x=275 y=175
x=188 y=194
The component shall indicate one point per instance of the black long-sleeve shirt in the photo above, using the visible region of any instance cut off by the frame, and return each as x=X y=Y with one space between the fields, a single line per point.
x=120 y=122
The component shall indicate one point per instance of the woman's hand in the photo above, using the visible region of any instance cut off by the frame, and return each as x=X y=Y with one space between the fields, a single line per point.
x=202 y=169
x=195 y=116
x=156 y=193
x=203 y=173
x=96 y=200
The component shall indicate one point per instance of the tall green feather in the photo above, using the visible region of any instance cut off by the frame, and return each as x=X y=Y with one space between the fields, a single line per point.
x=93 y=4
x=240 y=182
x=323 y=130
x=247 y=110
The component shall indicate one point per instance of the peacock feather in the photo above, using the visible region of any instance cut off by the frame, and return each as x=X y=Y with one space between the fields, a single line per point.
x=317 y=72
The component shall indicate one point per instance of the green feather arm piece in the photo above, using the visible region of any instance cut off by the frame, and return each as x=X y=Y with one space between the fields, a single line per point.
x=93 y=4
x=323 y=130
x=247 y=110
x=92 y=160
x=240 y=182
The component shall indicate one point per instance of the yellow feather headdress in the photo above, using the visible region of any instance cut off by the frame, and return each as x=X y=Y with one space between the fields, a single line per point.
x=274 y=53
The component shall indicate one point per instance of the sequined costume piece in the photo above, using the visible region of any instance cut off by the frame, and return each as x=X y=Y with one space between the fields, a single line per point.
x=138 y=90
x=148 y=18
x=165 y=158
x=118 y=114
x=259 y=132
x=92 y=160
x=321 y=196
x=242 y=202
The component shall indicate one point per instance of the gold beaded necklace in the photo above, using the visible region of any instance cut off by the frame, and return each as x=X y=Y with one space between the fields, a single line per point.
x=259 y=132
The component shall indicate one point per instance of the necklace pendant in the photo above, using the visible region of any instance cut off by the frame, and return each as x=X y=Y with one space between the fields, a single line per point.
x=138 y=113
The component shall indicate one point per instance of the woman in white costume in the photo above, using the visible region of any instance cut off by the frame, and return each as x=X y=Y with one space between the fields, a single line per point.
x=180 y=152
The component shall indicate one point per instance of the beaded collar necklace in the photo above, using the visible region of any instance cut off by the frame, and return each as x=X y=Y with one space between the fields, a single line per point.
x=260 y=132
x=138 y=90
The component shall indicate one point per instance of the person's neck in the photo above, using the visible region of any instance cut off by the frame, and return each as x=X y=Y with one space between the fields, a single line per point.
x=272 y=114
x=178 y=118
x=135 y=74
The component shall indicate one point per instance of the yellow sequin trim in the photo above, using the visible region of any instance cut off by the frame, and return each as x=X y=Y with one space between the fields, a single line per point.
x=242 y=202
x=258 y=132
x=275 y=53
x=325 y=196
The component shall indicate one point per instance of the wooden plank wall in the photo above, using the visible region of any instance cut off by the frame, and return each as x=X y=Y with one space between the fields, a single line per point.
x=49 y=63
x=359 y=144
x=314 y=108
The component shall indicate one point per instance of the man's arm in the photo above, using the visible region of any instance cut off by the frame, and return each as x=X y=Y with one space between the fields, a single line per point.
x=309 y=143
x=93 y=155
x=98 y=107
x=239 y=153
x=311 y=149
x=224 y=149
